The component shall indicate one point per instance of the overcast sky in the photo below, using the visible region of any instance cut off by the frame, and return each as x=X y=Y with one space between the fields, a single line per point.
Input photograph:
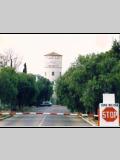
x=32 y=47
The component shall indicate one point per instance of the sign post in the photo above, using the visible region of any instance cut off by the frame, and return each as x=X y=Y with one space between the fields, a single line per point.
x=108 y=111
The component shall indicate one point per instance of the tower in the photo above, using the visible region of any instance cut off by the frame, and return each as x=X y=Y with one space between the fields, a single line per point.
x=53 y=66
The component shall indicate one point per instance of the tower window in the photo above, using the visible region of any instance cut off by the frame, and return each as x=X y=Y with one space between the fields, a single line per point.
x=53 y=73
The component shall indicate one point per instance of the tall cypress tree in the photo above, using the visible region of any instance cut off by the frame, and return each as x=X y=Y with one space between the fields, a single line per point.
x=25 y=68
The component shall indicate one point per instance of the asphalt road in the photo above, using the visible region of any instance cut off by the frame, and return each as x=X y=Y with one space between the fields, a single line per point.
x=45 y=120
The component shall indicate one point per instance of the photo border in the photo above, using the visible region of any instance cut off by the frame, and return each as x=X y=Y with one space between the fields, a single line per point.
x=97 y=127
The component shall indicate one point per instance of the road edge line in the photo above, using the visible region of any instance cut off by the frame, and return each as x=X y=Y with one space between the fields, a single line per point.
x=88 y=121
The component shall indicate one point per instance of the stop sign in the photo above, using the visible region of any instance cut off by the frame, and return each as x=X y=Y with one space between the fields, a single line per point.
x=109 y=114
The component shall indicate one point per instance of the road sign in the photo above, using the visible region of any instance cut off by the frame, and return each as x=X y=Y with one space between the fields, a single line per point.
x=108 y=98
x=109 y=114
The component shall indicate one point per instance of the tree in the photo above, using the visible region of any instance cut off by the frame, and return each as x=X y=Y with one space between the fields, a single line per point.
x=8 y=87
x=26 y=90
x=115 y=50
x=12 y=59
x=82 y=86
x=44 y=90
x=18 y=90
x=25 y=68
x=3 y=60
x=116 y=46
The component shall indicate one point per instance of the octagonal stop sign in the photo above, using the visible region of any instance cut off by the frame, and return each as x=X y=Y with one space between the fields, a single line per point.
x=109 y=114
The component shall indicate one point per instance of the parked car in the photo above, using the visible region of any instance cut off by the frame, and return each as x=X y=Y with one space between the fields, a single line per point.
x=46 y=103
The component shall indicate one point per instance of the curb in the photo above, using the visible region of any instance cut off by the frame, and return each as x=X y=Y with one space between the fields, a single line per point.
x=92 y=124
x=5 y=117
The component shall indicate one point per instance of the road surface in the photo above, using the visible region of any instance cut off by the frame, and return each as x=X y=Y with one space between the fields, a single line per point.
x=45 y=120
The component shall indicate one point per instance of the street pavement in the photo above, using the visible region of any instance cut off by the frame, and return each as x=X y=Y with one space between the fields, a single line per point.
x=45 y=120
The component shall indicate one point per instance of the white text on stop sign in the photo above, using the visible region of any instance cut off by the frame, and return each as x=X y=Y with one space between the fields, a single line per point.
x=109 y=114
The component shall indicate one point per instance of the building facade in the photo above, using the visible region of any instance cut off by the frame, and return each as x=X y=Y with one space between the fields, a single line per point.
x=53 y=66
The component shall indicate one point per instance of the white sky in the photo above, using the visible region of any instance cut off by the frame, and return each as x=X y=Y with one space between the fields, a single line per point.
x=32 y=47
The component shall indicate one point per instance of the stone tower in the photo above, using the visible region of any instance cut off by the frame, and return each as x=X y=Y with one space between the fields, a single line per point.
x=53 y=66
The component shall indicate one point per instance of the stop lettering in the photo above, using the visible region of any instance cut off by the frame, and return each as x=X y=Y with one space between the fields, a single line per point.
x=109 y=114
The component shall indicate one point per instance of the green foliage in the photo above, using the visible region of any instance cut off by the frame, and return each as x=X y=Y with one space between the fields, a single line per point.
x=20 y=89
x=26 y=90
x=44 y=90
x=8 y=86
x=82 y=86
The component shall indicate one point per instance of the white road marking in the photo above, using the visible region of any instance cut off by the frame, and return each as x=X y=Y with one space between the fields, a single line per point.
x=88 y=121
x=42 y=121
